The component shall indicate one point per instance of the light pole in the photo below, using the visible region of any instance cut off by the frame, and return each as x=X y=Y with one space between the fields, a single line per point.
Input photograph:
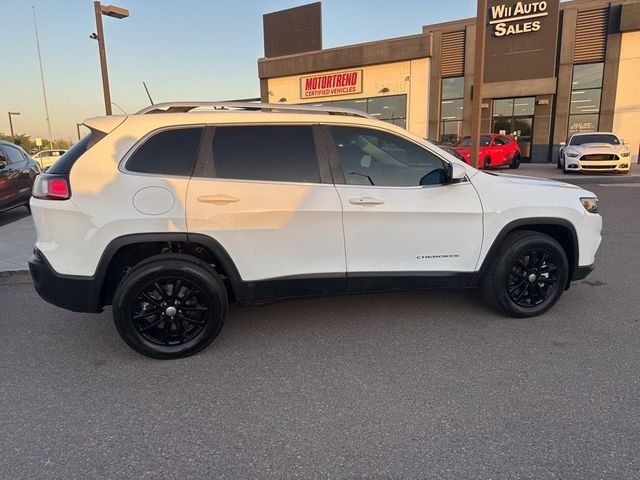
x=13 y=137
x=78 y=125
x=109 y=11
x=478 y=75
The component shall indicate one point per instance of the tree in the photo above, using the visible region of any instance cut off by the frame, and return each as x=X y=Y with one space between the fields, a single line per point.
x=25 y=141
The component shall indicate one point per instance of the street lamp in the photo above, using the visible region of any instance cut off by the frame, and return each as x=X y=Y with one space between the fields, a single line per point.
x=109 y=11
x=13 y=137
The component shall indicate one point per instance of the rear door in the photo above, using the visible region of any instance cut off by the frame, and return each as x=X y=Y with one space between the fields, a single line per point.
x=266 y=195
x=8 y=187
x=18 y=173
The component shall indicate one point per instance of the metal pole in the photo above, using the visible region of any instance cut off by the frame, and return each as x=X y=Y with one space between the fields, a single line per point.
x=103 y=58
x=78 y=129
x=478 y=75
x=13 y=137
x=44 y=90
x=148 y=94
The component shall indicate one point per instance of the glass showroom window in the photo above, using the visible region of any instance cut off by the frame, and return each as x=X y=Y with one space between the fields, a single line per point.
x=392 y=108
x=586 y=90
x=451 y=109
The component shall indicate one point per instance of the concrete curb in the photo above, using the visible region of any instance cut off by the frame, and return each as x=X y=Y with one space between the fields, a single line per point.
x=15 y=277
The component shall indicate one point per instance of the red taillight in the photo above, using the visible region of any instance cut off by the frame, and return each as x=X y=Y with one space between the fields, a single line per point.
x=50 y=187
x=59 y=188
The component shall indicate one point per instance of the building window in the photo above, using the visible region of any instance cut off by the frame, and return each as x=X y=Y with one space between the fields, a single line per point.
x=392 y=108
x=451 y=109
x=586 y=90
x=514 y=116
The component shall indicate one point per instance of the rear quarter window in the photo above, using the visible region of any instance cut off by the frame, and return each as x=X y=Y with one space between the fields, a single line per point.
x=62 y=166
x=169 y=152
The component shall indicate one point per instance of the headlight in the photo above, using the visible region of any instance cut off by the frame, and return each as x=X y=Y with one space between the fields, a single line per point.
x=590 y=204
x=625 y=154
x=572 y=154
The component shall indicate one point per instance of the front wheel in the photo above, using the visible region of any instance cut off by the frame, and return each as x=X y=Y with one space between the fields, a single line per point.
x=487 y=164
x=527 y=275
x=170 y=306
x=515 y=163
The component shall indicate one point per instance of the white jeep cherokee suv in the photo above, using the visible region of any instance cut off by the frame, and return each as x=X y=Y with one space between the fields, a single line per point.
x=594 y=152
x=170 y=214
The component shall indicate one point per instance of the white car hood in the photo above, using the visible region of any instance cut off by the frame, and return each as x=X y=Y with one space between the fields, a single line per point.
x=589 y=148
x=535 y=181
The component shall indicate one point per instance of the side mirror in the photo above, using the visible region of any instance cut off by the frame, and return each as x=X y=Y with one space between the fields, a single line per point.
x=622 y=141
x=458 y=172
x=2 y=164
x=563 y=144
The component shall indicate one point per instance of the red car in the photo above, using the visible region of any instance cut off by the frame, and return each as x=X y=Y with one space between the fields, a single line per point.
x=495 y=150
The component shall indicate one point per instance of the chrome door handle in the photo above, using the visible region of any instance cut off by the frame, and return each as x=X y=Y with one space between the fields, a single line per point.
x=366 y=201
x=218 y=199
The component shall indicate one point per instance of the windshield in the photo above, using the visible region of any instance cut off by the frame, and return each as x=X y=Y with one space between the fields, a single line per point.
x=595 y=138
x=466 y=141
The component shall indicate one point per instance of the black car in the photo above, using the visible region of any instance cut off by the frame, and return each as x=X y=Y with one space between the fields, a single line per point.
x=18 y=171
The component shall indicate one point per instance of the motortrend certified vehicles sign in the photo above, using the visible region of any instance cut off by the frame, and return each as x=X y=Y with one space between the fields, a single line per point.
x=329 y=84
x=522 y=17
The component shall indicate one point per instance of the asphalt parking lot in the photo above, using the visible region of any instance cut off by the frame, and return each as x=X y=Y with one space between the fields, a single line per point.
x=409 y=385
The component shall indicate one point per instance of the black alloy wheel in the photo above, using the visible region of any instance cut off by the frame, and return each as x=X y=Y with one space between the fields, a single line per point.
x=526 y=275
x=533 y=278
x=487 y=163
x=170 y=311
x=170 y=306
x=515 y=163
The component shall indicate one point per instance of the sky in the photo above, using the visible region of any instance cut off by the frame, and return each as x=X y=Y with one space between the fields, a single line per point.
x=184 y=50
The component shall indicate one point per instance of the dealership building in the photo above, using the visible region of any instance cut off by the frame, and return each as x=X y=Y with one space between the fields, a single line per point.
x=551 y=69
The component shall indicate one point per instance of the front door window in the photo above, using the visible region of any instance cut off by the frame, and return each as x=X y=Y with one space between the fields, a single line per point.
x=372 y=157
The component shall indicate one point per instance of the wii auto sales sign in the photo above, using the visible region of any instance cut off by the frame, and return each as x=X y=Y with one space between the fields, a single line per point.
x=330 y=84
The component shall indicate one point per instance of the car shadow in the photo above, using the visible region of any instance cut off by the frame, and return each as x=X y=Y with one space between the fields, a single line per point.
x=13 y=215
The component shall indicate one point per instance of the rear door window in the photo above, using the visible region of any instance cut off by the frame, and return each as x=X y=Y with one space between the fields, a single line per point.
x=169 y=152
x=279 y=153
x=14 y=154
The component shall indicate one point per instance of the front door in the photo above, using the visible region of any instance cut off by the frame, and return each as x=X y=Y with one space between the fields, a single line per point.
x=402 y=220
x=264 y=199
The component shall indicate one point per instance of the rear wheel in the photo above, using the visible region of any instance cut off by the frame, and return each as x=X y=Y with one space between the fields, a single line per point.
x=515 y=163
x=170 y=306
x=527 y=275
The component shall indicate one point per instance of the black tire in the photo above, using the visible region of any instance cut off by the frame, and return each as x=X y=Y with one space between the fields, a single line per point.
x=505 y=286
x=564 y=167
x=515 y=163
x=199 y=306
x=487 y=163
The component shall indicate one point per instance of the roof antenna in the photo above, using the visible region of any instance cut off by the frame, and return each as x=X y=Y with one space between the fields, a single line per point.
x=148 y=94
